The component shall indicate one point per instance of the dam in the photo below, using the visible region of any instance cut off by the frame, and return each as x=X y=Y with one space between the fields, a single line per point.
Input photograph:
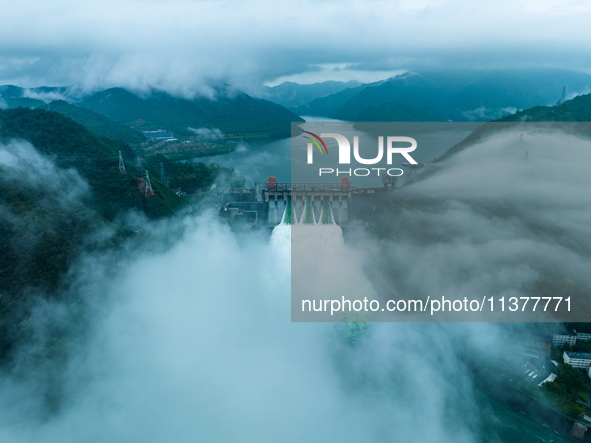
x=266 y=205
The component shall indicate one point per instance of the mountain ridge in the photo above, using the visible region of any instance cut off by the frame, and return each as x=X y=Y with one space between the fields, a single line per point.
x=240 y=113
x=456 y=95
x=292 y=94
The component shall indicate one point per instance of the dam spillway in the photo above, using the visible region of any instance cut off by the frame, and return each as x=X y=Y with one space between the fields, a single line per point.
x=306 y=203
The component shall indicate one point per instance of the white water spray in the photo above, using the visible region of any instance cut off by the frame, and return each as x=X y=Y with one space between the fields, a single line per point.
x=321 y=265
x=324 y=231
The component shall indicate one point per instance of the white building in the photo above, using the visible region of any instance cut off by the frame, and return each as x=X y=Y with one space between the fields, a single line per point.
x=577 y=359
x=548 y=379
x=583 y=336
x=560 y=339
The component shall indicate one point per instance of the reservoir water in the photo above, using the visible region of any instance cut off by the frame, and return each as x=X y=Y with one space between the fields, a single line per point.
x=258 y=161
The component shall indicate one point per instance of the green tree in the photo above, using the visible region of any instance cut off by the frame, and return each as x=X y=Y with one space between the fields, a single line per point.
x=571 y=378
x=582 y=346
x=555 y=388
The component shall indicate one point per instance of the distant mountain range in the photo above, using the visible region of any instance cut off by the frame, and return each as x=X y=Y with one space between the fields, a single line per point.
x=11 y=95
x=459 y=95
x=292 y=95
x=236 y=113
x=121 y=114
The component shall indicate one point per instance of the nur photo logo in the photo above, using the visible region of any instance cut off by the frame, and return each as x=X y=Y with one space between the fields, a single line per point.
x=394 y=145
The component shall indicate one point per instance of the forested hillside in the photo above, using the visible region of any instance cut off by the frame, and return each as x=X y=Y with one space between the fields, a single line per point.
x=576 y=110
x=61 y=194
x=235 y=114
x=97 y=122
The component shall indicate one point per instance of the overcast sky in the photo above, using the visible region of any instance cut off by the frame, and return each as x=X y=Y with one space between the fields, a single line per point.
x=178 y=45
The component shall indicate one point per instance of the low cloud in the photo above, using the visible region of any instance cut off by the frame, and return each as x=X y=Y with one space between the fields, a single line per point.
x=504 y=217
x=484 y=114
x=22 y=165
x=182 y=47
x=188 y=345
x=192 y=339
x=44 y=96
x=209 y=133
x=41 y=203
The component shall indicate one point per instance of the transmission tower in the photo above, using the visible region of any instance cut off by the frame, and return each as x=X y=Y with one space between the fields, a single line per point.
x=163 y=177
x=148 y=191
x=121 y=164
x=562 y=97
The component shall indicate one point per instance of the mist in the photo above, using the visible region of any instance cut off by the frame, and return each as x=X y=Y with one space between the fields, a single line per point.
x=22 y=165
x=52 y=200
x=506 y=216
x=196 y=343
x=188 y=336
